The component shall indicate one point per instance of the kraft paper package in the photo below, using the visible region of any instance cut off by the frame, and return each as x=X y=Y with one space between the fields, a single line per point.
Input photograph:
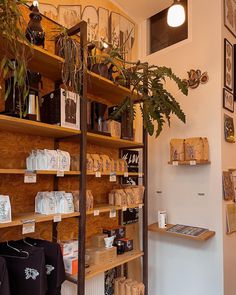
x=196 y=148
x=97 y=163
x=75 y=163
x=135 y=289
x=106 y=163
x=139 y=193
x=89 y=200
x=113 y=165
x=122 y=166
x=5 y=209
x=116 y=285
x=141 y=289
x=89 y=163
x=76 y=200
x=177 y=149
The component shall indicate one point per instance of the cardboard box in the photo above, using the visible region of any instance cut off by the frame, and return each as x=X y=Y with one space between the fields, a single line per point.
x=118 y=232
x=69 y=248
x=71 y=264
x=129 y=244
x=61 y=107
x=98 y=240
x=114 y=128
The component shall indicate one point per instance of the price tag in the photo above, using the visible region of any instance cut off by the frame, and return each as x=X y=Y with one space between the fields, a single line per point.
x=140 y=206
x=30 y=177
x=57 y=218
x=126 y=174
x=113 y=213
x=175 y=163
x=140 y=175
x=60 y=173
x=28 y=227
x=98 y=174
x=113 y=177
x=124 y=208
x=96 y=212
x=193 y=163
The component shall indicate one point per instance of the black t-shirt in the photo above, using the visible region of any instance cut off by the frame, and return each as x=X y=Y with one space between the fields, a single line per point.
x=4 y=280
x=26 y=272
x=55 y=269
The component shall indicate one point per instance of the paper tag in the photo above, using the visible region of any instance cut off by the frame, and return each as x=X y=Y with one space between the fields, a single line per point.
x=175 y=163
x=57 y=218
x=28 y=227
x=140 y=206
x=193 y=163
x=140 y=175
x=124 y=208
x=112 y=177
x=96 y=212
x=113 y=213
x=60 y=173
x=30 y=177
x=126 y=174
x=98 y=174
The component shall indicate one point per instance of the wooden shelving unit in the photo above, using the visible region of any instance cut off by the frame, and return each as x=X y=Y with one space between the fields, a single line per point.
x=202 y=238
x=189 y=163
x=94 y=87
x=97 y=269
x=20 y=218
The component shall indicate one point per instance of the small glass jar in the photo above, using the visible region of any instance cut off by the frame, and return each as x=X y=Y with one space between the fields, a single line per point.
x=120 y=246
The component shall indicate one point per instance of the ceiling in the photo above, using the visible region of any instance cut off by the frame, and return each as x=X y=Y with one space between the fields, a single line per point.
x=142 y=9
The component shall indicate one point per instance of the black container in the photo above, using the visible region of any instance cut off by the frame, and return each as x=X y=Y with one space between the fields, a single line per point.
x=120 y=246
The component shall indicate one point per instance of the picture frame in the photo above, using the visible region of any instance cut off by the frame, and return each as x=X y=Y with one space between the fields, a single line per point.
x=228 y=100
x=229 y=19
x=229 y=129
x=228 y=65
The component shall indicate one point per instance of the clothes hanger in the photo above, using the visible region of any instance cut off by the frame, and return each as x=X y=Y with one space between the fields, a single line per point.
x=17 y=250
x=27 y=243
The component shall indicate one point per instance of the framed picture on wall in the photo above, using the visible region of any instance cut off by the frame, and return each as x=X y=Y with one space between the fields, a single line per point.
x=229 y=129
x=228 y=65
x=229 y=15
x=228 y=100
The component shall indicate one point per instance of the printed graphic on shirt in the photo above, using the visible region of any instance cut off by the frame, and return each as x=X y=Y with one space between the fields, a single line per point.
x=31 y=273
x=49 y=269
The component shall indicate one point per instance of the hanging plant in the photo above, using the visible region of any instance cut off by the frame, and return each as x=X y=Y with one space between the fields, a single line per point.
x=70 y=50
x=148 y=82
x=16 y=57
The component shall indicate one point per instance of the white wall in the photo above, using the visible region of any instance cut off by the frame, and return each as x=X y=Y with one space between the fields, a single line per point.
x=178 y=266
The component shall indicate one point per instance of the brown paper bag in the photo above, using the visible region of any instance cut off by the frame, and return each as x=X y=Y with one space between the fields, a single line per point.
x=97 y=162
x=116 y=285
x=106 y=164
x=177 y=149
x=141 y=289
x=135 y=289
x=89 y=163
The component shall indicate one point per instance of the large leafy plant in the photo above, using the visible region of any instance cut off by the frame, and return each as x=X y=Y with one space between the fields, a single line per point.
x=15 y=54
x=157 y=104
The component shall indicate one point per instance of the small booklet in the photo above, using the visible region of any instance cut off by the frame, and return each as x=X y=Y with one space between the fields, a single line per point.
x=187 y=230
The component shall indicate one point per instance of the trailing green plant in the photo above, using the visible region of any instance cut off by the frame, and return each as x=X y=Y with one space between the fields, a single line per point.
x=16 y=56
x=70 y=49
x=148 y=82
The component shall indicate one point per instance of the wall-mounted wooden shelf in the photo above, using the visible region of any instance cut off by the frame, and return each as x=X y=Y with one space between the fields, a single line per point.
x=188 y=163
x=19 y=219
x=202 y=238
x=18 y=125
x=94 y=270
x=39 y=172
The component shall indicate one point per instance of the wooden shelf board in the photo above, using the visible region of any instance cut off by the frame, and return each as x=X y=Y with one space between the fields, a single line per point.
x=39 y=172
x=12 y=124
x=107 y=208
x=187 y=163
x=40 y=60
x=111 y=141
x=202 y=238
x=94 y=270
x=107 y=90
x=117 y=174
x=19 y=219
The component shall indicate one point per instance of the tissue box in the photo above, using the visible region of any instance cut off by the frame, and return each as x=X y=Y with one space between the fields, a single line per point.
x=61 y=107
x=71 y=264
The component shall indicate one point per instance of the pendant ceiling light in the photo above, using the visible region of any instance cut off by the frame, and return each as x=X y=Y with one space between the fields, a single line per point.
x=176 y=14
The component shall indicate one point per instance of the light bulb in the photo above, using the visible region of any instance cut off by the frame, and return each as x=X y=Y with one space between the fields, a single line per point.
x=36 y=3
x=176 y=15
x=105 y=45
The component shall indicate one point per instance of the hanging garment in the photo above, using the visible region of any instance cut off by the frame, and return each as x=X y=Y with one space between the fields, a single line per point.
x=55 y=269
x=4 y=280
x=26 y=270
